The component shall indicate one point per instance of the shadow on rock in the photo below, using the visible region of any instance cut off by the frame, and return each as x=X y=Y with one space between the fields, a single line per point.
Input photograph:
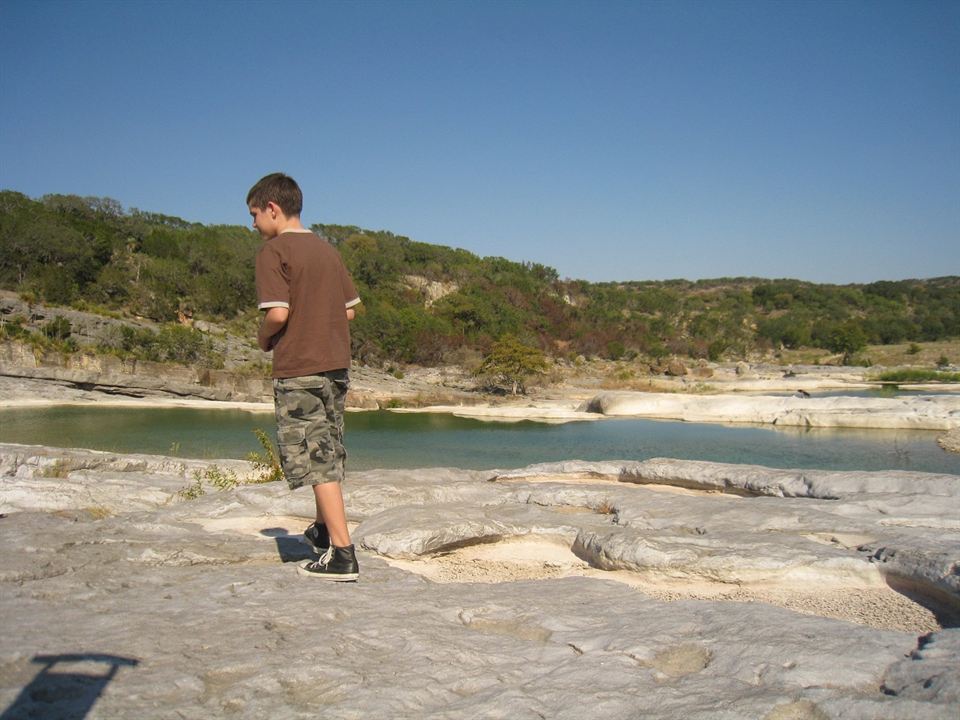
x=67 y=686
x=945 y=607
x=290 y=547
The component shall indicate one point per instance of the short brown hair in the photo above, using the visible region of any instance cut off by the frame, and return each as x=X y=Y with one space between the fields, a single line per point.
x=280 y=189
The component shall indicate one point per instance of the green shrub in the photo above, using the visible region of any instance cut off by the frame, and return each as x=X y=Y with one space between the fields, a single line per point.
x=14 y=329
x=918 y=376
x=58 y=328
x=174 y=343
x=615 y=350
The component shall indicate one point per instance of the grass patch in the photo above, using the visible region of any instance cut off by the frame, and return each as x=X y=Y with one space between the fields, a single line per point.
x=59 y=469
x=98 y=512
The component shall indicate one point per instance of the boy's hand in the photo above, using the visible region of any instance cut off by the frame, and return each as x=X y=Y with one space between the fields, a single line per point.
x=273 y=322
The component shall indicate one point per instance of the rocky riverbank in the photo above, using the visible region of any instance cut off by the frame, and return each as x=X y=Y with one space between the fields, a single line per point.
x=576 y=590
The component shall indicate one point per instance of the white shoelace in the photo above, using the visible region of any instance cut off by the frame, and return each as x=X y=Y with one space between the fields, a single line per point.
x=326 y=557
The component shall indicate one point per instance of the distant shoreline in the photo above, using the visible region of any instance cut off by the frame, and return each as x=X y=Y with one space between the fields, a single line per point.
x=940 y=411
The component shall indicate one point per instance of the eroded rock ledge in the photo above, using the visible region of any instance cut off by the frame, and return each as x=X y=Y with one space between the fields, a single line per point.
x=198 y=603
x=929 y=412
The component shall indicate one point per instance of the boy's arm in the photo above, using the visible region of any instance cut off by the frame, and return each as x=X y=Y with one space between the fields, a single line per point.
x=273 y=321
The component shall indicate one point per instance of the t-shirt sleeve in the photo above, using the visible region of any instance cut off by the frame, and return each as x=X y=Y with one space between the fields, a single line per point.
x=273 y=287
x=350 y=294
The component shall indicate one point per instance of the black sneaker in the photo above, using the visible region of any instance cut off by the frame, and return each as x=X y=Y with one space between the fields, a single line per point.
x=318 y=537
x=337 y=563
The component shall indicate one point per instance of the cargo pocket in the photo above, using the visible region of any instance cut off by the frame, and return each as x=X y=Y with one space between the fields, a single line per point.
x=292 y=443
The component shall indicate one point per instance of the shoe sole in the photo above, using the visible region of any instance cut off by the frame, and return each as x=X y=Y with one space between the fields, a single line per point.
x=333 y=577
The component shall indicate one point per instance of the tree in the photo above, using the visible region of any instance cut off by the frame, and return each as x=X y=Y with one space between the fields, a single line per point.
x=847 y=337
x=513 y=363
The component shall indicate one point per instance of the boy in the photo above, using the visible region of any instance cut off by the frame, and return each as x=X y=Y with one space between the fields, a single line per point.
x=308 y=299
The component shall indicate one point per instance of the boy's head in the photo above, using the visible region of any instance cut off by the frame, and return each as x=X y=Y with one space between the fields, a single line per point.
x=277 y=188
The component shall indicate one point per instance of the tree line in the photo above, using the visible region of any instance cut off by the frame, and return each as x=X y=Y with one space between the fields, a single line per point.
x=428 y=303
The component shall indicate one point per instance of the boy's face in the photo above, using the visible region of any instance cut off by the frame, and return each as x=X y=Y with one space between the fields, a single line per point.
x=265 y=220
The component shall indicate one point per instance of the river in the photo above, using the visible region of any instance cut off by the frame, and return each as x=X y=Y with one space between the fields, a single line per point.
x=385 y=439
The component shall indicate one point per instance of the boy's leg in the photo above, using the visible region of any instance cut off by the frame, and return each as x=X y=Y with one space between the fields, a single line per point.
x=330 y=511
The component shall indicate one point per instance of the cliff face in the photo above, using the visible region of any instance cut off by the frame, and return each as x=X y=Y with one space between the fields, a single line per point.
x=131 y=377
x=242 y=378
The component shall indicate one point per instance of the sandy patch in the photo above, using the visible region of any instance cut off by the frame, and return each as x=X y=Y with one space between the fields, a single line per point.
x=592 y=479
x=524 y=558
x=537 y=558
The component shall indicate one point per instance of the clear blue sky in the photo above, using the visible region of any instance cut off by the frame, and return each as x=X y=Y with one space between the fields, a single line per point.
x=610 y=140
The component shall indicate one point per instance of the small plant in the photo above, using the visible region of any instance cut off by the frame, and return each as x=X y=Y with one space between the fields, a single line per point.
x=192 y=492
x=943 y=361
x=213 y=475
x=914 y=349
x=220 y=479
x=267 y=463
x=606 y=508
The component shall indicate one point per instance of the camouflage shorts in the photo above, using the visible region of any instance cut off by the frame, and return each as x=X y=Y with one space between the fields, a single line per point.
x=310 y=427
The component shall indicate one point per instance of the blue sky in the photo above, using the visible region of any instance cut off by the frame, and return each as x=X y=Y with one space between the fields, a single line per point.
x=610 y=140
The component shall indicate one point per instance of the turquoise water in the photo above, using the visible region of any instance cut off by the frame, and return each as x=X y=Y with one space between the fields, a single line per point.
x=384 y=439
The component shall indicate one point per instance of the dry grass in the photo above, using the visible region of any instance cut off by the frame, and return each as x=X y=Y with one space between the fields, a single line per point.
x=928 y=355
x=919 y=355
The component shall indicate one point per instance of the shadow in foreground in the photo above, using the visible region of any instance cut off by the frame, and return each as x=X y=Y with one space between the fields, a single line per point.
x=66 y=687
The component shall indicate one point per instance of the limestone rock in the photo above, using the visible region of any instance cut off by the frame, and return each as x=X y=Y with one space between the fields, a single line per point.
x=950 y=441
x=675 y=368
x=192 y=608
x=931 y=672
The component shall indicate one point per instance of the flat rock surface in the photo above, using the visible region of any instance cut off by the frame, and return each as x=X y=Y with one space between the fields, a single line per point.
x=661 y=589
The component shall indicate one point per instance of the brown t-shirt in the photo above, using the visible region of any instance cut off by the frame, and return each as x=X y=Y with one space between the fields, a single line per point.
x=303 y=272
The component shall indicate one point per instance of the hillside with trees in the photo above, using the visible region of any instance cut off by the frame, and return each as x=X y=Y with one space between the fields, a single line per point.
x=428 y=304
